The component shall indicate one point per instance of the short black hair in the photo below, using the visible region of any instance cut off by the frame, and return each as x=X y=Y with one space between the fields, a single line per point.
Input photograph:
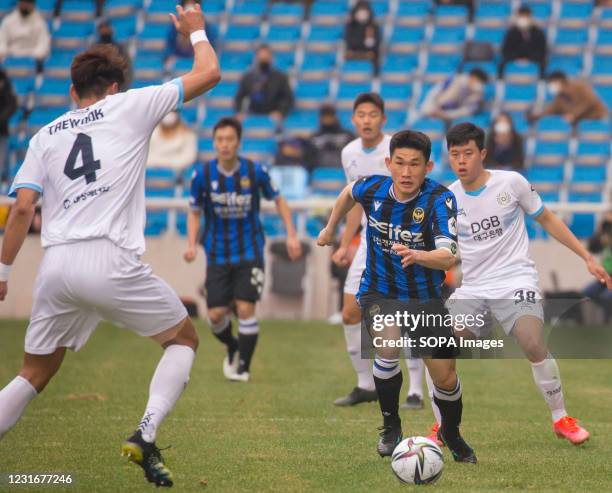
x=462 y=133
x=369 y=97
x=411 y=139
x=229 y=121
x=480 y=74
x=556 y=75
x=524 y=9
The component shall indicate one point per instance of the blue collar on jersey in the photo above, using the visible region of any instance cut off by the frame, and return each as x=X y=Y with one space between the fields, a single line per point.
x=475 y=193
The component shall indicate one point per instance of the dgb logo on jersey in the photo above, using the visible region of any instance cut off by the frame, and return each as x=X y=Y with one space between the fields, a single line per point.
x=418 y=215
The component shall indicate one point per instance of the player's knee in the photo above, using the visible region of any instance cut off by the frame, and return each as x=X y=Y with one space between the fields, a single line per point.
x=216 y=317
x=446 y=380
x=245 y=310
x=535 y=351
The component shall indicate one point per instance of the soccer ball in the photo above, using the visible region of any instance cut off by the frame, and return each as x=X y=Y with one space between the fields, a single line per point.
x=417 y=460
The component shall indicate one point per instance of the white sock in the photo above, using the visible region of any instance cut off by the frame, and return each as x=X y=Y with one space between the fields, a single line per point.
x=168 y=382
x=13 y=400
x=434 y=406
x=415 y=370
x=548 y=379
x=363 y=367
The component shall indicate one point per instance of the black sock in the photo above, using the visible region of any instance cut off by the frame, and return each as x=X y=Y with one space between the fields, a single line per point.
x=388 y=390
x=226 y=337
x=450 y=411
x=246 y=348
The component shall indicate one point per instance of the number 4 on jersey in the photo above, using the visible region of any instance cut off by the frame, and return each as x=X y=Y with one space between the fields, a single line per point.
x=82 y=145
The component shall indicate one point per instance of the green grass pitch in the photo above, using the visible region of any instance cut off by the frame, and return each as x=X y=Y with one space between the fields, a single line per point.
x=281 y=432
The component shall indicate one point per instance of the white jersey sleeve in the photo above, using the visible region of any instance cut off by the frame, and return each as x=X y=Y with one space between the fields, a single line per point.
x=32 y=173
x=148 y=105
x=528 y=199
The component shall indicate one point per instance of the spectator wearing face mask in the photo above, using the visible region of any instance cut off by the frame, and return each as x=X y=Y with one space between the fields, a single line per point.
x=458 y=96
x=264 y=90
x=573 y=99
x=362 y=35
x=524 y=41
x=330 y=139
x=173 y=144
x=178 y=45
x=106 y=36
x=504 y=145
x=24 y=33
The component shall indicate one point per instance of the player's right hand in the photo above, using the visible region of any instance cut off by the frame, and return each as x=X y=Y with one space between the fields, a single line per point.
x=190 y=254
x=3 y=290
x=326 y=237
x=340 y=257
x=188 y=21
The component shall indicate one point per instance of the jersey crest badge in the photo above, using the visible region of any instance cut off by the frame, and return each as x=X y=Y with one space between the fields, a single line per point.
x=503 y=198
x=245 y=182
x=418 y=215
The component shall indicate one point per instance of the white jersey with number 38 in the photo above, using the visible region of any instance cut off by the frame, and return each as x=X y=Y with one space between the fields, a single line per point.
x=491 y=229
x=89 y=167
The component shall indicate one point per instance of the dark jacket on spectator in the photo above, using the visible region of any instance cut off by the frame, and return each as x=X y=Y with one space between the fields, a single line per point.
x=8 y=103
x=512 y=156
x=531 y=46
x=328 y=144
x=266 y=92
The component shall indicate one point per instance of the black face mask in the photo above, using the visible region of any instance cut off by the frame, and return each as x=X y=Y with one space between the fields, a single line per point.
x=25 y=12
x=106 y=38
x=265 y=66
x=330 y=127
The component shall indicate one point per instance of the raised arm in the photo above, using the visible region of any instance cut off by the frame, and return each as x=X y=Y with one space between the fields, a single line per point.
x=344 y=203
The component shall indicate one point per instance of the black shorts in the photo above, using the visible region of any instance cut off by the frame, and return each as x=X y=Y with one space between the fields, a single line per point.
x=228 y=282
x=426 y=323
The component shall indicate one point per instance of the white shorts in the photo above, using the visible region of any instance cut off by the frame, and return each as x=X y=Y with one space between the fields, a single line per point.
x=358 y=265
x=79 y=284
x=505 y=303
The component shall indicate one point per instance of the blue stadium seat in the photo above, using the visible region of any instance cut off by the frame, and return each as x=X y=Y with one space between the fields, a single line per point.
x=317 y=65
x=592 y=152
x=41 y=117
x=239 y=37
x=601 y=72
x=380 y=9
x=73 y=34
x=575 y=15
x=396 y=96
x=579 y=196
x=431 y=126
x=258 y=126
x=399 y=67
x=348 y=91
x=286 y=13
x=583 y=225
x=148 y=67
x=590 y=174
x=546 y=175
x=594 y=130
x=571 y=65
x=440 y=67
x=451 y=15
x=283 y=38
x=122 y=8
x=206 y=150
x=158 y=11
x=494 y=14
x=356 y=70
x=406 y=40
x=327 y=181
x=570 y=41
x=301 y=123
x=77 y=10
x=489 y=68
x=447 y=176
x=519 y=72
x=235 y=63
x=124 y=28
x=603 y=45
x=519 y=97
x=328 y=12
x=310 y=94
x=553 y=128
x=213 y=115
x=20 y=67
x=157 y=222
x=53 y=92
x=482 y=120
x=140 y=83
x=222 y=95
x=549 y=196
x=493 y=35
x=541 y=11
x=324 y=38
x=605 y=20
x=284 y=60
x=261 y=150
x=248 y=12
x=412 y=13
x=160 y=178
x=153 y=37
x=447 y=40
x=292 y=180
x=396 y=118
x=551 y=152
x=23 y=88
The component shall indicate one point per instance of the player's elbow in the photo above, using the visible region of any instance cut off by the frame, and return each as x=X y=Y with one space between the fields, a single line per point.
x=23 y=209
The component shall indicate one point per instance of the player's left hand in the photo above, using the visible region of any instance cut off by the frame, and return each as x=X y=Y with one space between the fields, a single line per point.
x=597 y=270
x=325 y=238
x=409 y=256
x=3 y=290
x=294 y=247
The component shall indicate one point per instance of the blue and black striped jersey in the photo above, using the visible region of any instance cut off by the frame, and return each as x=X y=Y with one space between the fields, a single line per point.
x=427 y=222
x=232 y=228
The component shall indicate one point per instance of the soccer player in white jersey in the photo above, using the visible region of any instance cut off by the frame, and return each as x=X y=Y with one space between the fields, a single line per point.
x=498 y=274
x=89 y=167
x=365 y=156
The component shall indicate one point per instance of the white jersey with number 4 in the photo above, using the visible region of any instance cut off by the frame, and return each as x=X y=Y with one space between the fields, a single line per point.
x=492 y=236
x=89 y=167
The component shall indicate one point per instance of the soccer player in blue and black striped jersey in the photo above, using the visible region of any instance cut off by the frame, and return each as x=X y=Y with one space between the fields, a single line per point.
x=228 y=190
x=412 y=217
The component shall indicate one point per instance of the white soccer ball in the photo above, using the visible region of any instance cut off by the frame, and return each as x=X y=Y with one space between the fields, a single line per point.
x=417 y=460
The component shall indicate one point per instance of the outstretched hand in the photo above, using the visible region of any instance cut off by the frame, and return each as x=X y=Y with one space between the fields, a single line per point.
x=597 y=270
x=188 y=21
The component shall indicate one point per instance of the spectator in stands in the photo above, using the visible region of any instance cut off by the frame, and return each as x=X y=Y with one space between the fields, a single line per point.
x=173 y=144
x=24 y=33
x=469 y=4
x=362 y=35
x=524 y=41
x=328 y=142
x=106 y=36
x=504 y=145
x=458 y=96
x=294 y=151
x=8 y=106
x=601 y=242
x=574 y=99
x=178 y=45
x=264 y=89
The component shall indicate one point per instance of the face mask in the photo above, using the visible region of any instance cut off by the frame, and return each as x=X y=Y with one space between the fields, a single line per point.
x=170 y=120
x=502 y=127
x=25 y=12
x=265 y=66
x=523 y=22
x=189 y=6
x=362 y=16
x=106 y=38
x=554 y=88
x=476 y=86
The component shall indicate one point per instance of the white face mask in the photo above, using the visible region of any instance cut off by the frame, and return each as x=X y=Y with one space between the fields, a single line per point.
x=554 y=88
x=502 y=127
x=362 y=16
x=523 y=22
x=170 y=120
x=189 y=6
